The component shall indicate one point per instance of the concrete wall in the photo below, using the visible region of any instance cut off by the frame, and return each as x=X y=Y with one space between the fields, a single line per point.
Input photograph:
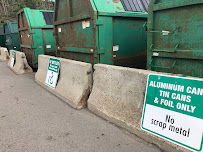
x=4 y=56
x=20 y=66
x=75 y=80
x=118 y=96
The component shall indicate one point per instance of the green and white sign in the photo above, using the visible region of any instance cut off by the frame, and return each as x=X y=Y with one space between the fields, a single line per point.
x=173 y=110
x=53 y=72
x=13 y=59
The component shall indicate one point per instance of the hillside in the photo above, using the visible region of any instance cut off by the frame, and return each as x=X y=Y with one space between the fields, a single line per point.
x=9 y=8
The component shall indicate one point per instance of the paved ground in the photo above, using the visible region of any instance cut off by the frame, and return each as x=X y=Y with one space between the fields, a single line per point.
x=33 y=120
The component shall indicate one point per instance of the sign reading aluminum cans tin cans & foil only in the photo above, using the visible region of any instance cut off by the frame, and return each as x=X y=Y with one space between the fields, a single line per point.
x=173 y=110
x=53 y=72
x=13 y=59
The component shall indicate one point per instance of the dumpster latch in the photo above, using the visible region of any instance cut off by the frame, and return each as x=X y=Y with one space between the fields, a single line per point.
x=99 y=22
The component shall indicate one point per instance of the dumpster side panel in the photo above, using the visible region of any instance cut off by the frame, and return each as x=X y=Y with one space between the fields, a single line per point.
x=12 y=42
x=22 y=21
x=26 y=39
x=191 y=67
x=175 y=42
x=2 y=37
x=16 y=42
x=89 y=29
x=8 y=39
x=38 y=45
x=23 y=29
x=11 y=36
x=8 y=42
x=61 y=9
x=131 y=42
x=106 y=40
x=71 y=8
x=126 y=48
x=35 y=48
x=74 y=35
x=13 y=27
x=29 y=53
x=2 y=41
x=36 y=36
x=75 y=30
x=49 y=42
x=187 y=24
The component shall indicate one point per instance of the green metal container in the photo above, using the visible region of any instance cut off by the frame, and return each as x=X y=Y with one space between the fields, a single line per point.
x=2 y=37
x=101 y=31
x=11 y=36
x=35 y=29
x=175 y=37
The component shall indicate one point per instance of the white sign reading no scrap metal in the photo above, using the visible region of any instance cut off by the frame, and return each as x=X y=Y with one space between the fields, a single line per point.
x=173 y=110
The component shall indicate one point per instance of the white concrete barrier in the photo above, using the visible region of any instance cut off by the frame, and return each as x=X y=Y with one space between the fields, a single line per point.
x=118 y=96
x=20 y=65
x=74 y=83
x=4 y=56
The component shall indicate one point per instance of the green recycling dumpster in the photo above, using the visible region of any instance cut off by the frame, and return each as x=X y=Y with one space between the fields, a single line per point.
x=11 y=36
x=35 y=29
x=2 y=37
x=175 y=37
x=102 y=31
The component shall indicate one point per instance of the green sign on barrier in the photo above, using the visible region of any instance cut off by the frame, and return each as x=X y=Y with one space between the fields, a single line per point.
x=52 y=73
x=173 y=110
x=13 y=59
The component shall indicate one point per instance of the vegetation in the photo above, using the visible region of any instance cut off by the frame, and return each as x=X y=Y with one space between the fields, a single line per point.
x=9 y=8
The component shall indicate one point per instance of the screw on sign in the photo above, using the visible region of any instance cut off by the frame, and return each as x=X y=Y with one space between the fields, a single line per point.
x=52 y=73
x=173 y=110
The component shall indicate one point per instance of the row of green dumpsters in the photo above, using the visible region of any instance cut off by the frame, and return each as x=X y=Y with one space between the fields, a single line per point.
x=169 y=38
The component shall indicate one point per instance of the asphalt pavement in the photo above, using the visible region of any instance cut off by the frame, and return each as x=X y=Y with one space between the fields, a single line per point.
x=34 y=120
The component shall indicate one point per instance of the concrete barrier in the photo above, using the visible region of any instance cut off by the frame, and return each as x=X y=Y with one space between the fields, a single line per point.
x=118 y=96
x=74 y=83
x=10 y=58
x=20 y=64
x=4 y=56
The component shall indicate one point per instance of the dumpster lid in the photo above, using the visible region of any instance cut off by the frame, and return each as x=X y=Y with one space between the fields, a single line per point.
x=37 y=18
x=48 y=16
x=10 y=27
x=121 y=7
x=135 y=5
